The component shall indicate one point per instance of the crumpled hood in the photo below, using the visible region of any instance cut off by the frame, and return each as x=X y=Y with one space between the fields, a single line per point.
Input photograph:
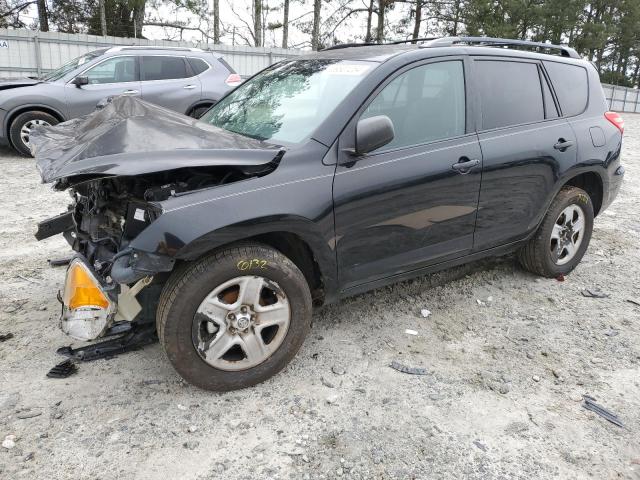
x=7 y=83
x=132 y=137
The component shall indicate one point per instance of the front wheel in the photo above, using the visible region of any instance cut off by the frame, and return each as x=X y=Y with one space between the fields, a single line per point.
x=234 y=318
x=23 y=124
x=563 y=237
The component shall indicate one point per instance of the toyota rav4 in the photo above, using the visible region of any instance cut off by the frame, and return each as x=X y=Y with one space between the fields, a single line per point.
x=321 y=177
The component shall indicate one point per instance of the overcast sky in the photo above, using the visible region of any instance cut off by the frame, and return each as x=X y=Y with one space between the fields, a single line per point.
x=237 y=13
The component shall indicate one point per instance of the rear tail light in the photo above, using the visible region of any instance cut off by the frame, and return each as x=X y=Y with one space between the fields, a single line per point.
x=616 y=119
x=233 y=80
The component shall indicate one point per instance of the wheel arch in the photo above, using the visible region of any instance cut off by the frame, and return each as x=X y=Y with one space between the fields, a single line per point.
x=203 y=102
x=591 y=182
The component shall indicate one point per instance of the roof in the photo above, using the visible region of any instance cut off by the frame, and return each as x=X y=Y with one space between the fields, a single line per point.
x=373 y=53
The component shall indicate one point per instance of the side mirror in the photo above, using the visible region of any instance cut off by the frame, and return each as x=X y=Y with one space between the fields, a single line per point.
x=373 y=133
x=79 y=81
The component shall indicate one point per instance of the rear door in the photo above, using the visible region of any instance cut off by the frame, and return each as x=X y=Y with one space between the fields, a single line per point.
x=169 y=81
x=110 y=77
x=405 y=205
x=525 y=147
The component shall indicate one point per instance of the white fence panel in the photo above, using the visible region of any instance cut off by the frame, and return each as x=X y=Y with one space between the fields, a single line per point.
x=28 y=52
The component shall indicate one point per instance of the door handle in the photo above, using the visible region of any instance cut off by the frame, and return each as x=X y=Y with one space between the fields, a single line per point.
x=465 y=165
x=189 y=87
x=131 y=92
x=563 y=144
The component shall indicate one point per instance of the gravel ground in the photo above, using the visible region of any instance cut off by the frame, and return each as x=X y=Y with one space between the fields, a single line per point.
x=508 y=357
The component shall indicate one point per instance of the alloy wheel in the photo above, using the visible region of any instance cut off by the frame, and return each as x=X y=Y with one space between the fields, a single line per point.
x=567 y=234
x=241 y=323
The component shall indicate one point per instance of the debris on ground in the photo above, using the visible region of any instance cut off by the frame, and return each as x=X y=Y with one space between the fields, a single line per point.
x=9 y=442
x=338 y=370
x=560 y=278
x=63 y=369
x=590 y=404
x=28 y=414
x=410 y=370
x=59 y=262
x=594 y=293
x=408 y=331
x=5 y=336
x=425 y=313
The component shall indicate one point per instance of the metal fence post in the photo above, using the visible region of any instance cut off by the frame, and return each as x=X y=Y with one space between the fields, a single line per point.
x=36 y=45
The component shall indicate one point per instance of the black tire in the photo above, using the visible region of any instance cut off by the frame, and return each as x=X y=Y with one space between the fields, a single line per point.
x=199 y=111
x=536 y=256
x=189 y=286
x=22 y=120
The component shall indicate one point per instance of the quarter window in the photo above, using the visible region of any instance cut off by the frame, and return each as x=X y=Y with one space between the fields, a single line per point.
x=510 y=93
x=198 y=65
x=163 y=68
x=425 y=104
x=113 y=70
x=571 y=86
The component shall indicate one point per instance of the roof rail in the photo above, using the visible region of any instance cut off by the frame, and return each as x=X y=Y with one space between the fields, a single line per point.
x=411 y=40
x=153 y=47
x=502 y=42
x=348 y=45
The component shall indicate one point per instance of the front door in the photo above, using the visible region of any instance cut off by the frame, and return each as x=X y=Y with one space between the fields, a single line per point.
x=111 y=77
x=168 y=81
x=412 y=202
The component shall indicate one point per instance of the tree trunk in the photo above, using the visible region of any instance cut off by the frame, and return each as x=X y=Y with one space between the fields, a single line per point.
x=138 y=16
x=285 y=25
x=257 y=22
x=367 y=38
x=43 y=19
x=456 y=19
x=382 y=5
x=216 y=21
x=103 y=18
x=418 y=20
x=315 y=34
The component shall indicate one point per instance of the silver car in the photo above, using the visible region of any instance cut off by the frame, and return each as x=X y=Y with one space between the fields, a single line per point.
x=187 y=80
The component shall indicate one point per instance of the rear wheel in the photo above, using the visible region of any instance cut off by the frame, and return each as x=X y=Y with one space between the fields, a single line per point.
x=199 y=111
x=23 y=124
x=234 y=318
x=563 y=237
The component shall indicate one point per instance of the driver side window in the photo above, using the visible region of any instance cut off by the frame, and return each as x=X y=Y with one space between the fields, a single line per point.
x=113 y=70
x=425 y=104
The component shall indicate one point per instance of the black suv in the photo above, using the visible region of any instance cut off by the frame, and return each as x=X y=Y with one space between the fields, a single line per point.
x=318 y=178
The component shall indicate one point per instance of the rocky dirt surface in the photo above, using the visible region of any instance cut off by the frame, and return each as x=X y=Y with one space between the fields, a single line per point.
x=508 y=357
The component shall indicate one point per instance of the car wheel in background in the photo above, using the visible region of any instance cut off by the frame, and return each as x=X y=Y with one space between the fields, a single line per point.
x=22 y=125
x=234 y=318
x=199 y=111
x=563 y=237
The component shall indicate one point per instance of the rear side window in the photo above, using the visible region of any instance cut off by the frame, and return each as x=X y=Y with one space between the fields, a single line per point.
x=510 y=93
x=425 y=104
x=198 y=65
x=571 y=86
x=163 y=68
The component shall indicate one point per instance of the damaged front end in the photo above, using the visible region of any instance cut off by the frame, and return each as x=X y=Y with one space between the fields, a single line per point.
x=119 y=193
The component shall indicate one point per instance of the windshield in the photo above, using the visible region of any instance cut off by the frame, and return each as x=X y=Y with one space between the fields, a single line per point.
x=287 y=102
x=60 y=72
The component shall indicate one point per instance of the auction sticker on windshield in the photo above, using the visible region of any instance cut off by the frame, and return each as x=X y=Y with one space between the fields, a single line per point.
x=346 y=69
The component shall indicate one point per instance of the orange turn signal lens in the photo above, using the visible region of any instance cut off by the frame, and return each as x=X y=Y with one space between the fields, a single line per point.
x=81 y=289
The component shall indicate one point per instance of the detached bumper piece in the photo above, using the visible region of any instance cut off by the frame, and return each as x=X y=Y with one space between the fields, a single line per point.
x=54 y=225
x=136 y=338
x=63 y=370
